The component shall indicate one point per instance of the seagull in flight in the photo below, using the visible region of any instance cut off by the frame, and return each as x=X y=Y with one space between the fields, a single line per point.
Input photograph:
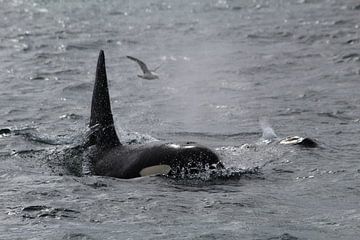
x=148 y=74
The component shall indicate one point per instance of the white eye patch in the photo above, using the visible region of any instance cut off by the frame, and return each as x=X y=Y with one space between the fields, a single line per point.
x=173 y=145
x=292 y=140
x=155 y=170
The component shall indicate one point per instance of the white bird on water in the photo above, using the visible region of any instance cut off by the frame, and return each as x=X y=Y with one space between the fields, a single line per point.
x=147 y=74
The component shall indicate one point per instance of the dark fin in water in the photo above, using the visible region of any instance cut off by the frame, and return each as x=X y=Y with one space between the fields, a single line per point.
x=102 y=127
x=309 y=143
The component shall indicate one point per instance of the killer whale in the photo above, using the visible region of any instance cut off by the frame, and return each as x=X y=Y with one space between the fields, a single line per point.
x=109 y=157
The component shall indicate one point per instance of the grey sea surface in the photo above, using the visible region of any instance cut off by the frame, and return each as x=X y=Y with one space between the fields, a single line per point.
x=225 y=66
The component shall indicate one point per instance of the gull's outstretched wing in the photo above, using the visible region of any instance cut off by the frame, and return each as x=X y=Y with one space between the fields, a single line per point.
x=154 y=70
x=142 y=65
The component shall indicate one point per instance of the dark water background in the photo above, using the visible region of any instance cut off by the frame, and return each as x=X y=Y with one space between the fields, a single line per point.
x=224 y=66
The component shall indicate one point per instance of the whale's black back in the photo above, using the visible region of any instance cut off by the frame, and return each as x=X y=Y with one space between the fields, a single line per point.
x=103 y=132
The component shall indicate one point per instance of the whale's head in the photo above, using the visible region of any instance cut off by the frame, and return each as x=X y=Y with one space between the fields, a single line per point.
x=191 y=157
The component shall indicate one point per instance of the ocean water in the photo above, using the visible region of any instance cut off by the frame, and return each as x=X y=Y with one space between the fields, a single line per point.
x=225 y=67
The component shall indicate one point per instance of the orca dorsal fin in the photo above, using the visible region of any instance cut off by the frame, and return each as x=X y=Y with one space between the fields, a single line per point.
x=102 y=127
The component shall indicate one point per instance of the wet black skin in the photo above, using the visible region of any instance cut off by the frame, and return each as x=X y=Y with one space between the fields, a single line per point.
x=128 y=161
x=111 y=158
